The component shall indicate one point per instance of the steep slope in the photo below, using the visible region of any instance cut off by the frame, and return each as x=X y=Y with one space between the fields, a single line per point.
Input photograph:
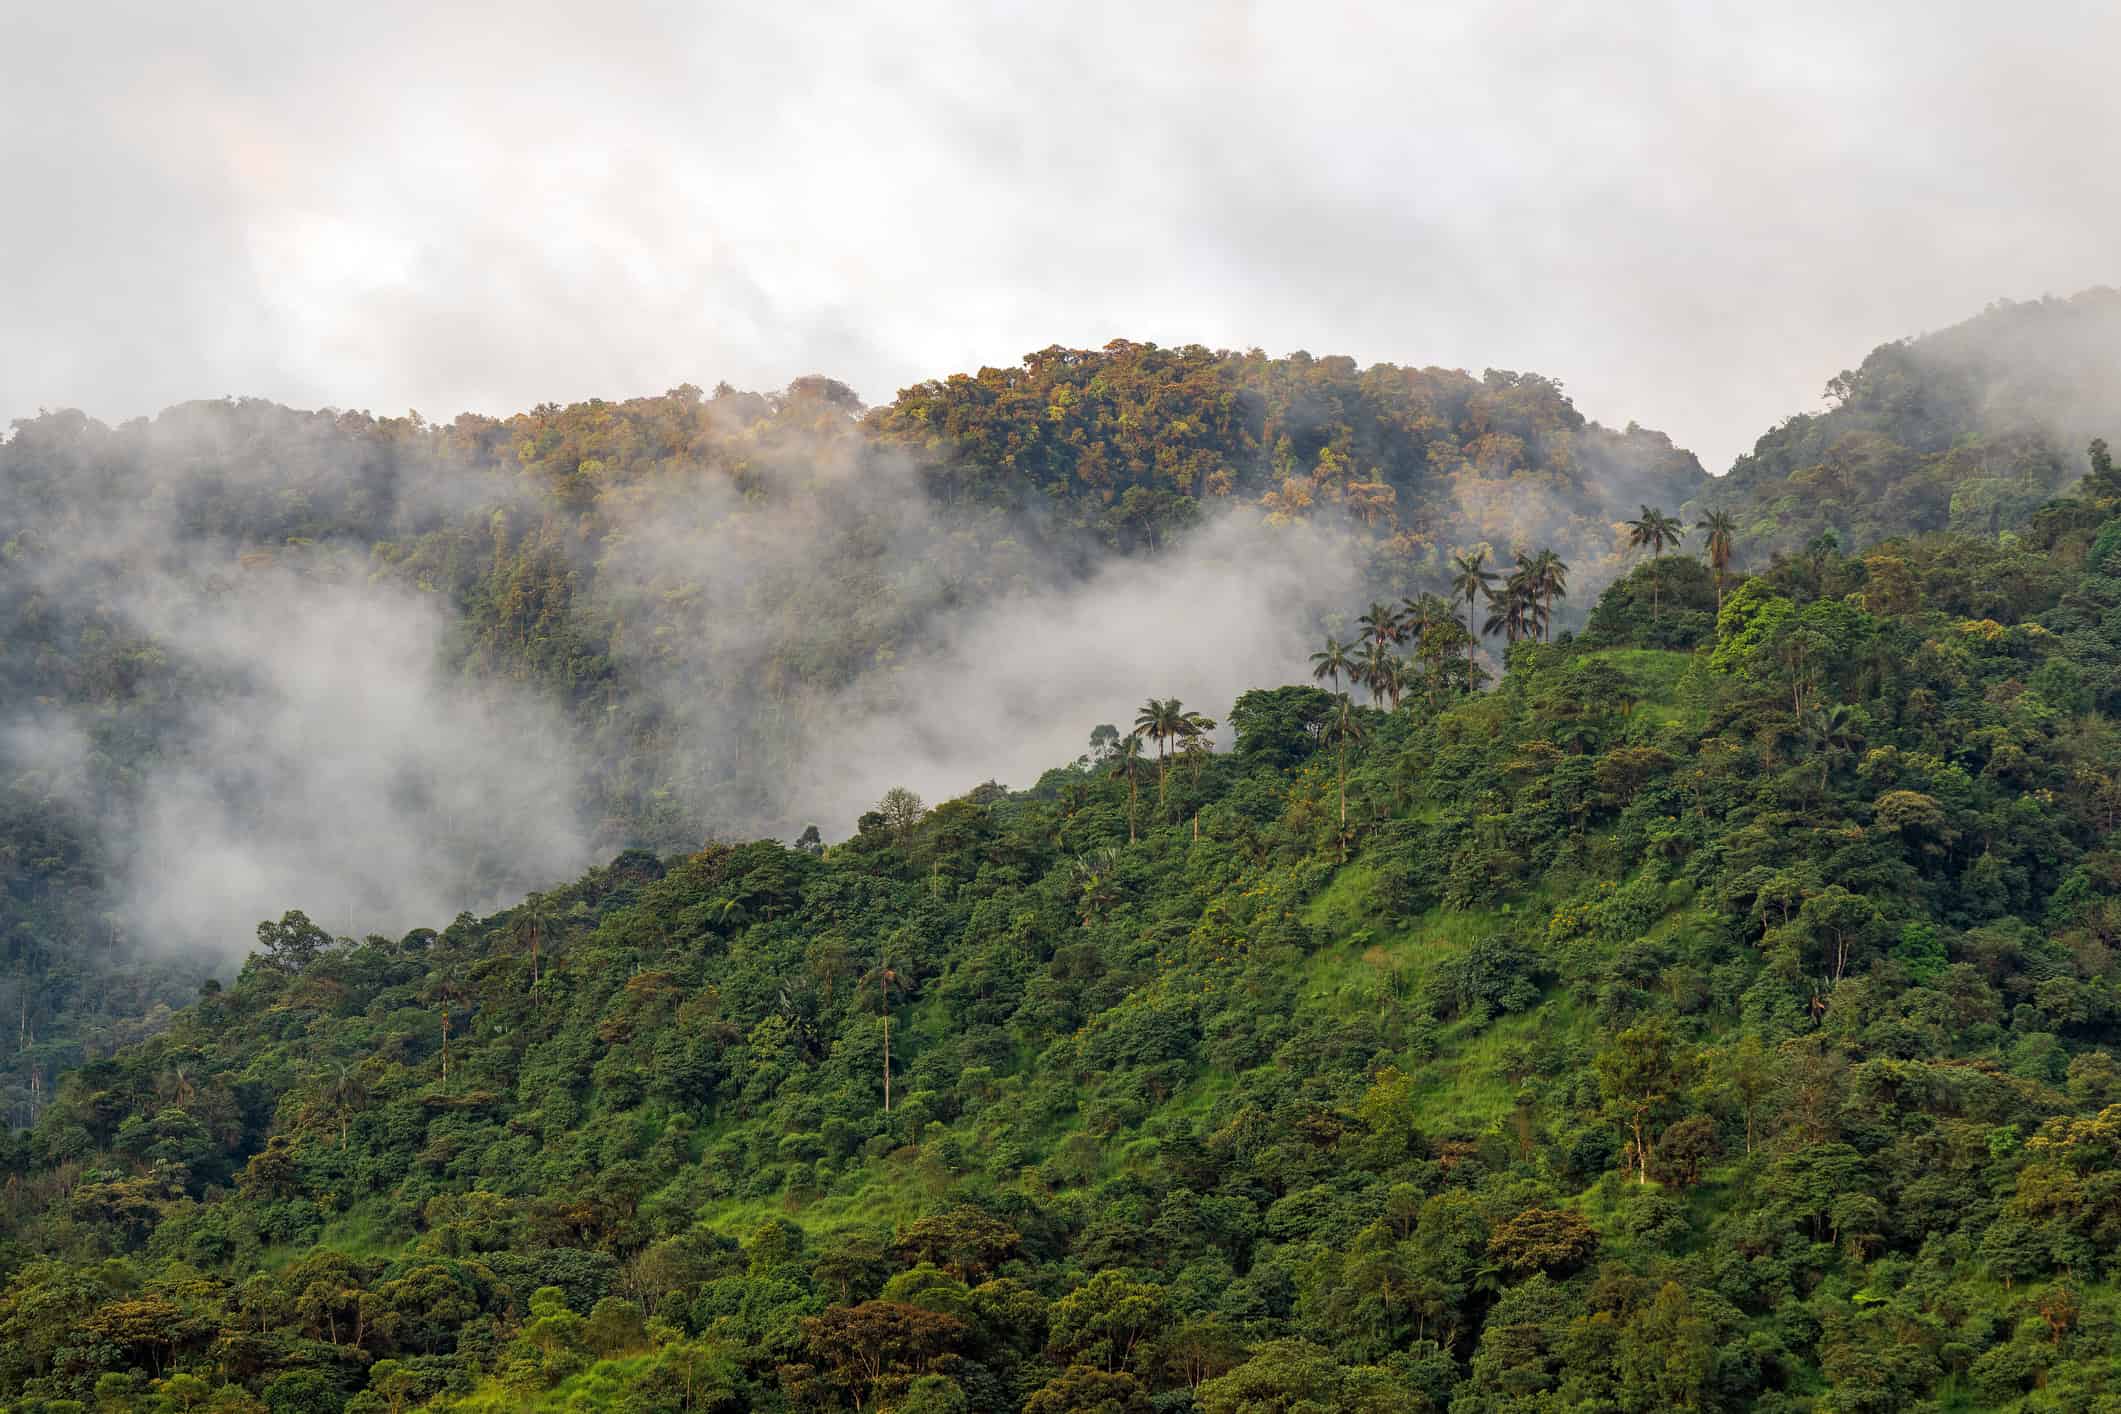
x=1971 y=428
x=1711 y=1030
x=244 y=648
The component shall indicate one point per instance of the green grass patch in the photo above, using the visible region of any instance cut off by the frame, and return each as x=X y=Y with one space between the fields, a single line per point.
x=1468 y=1083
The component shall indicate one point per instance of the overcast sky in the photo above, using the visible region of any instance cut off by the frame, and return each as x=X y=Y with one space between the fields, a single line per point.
x=1690 y=214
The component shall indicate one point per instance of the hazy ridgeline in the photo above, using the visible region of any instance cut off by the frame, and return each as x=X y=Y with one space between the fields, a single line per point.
x=391 y=669
x=394 y=669
x=1775 y=873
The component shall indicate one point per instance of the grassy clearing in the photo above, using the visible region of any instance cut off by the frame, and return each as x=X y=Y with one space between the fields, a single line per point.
x=887 y=1197
x=1467 y=1084
x=1655 y=675
x=1654 y=672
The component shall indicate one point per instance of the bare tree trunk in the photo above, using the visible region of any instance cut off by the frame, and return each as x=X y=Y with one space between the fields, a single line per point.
x=1472 y=643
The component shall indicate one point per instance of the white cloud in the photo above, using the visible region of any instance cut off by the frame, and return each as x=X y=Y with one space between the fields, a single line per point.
x=1691 y=213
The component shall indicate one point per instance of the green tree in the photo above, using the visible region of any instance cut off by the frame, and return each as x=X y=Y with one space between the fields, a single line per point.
x=1720 y=530
x=1084 y=1389
x=1470 y=582
x=1548 y=581
x=877 y=1349
x=1643 y=1075
x=1127 y=762
x=902 y=810
x=1345 y=728
x=1164 y=720
x=1333 y=662
x=1380 y=625
x=1379 y=672
x=1108 y=1321
x=1654 y=530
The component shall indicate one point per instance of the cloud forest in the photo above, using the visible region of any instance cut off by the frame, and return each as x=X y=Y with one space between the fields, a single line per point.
x=1143 y=879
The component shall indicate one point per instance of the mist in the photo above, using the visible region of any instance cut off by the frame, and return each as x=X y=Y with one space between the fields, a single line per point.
x=984 y=650
x=233 y=725
x=324 y=760
x=1696 y=210
x=1013 y=688
x=338 y=770
x=271 y=695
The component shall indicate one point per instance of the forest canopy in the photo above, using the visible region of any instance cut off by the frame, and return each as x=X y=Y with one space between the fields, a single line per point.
x=1636 y=942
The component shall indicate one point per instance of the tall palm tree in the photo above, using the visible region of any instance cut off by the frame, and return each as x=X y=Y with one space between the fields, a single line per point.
x=1406 y=622
x=1344 y=726
x=1377 y=672
x=1511 y=612
x=1653 y=531
x=1400 y=677
x=347 y=1091
x=1525 y=581
x=1469 y=584
x=1550 y=580
x=1333 y=662
x=1126 y=760
x=1829 y=733
x=1380 y=625
x=884 y=976
x=1164 y=719
x=532 y=917
x=1150 y=719
x=1721 y=528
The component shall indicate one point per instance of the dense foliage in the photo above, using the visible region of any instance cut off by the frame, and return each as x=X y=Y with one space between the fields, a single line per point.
x=694 y=582
x=1718 y=1013
x=1972 y=429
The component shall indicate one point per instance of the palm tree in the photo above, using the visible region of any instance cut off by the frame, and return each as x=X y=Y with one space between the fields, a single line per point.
x=1550 y=581
x=1380 y=625
x=1721 y=527
x=1164 y=719
x=347 y=1092
x=1344 y=726
x=884 y=976
x=1512 y=612
x=1471 y=581
x=1333 y=662
x=530 y=921
x=1127 y=761
x=1655 y=530
x=1525 y=581
x=1376 y=672
x=1405 y=677
x=1830 y=733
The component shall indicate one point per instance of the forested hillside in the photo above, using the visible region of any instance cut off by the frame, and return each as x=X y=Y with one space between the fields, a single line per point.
x=1717 y=1013
x=246 y=649
x=1971 y=428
